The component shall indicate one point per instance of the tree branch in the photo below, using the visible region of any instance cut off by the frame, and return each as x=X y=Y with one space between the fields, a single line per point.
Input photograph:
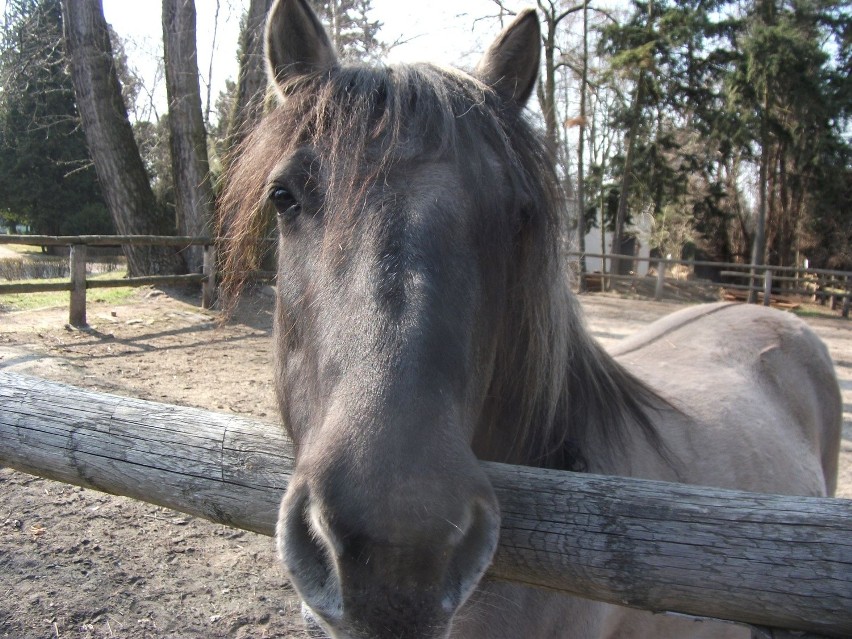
x=568 y=12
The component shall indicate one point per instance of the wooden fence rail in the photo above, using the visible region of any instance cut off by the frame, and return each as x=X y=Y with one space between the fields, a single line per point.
x=825 y=284
x=766 y=560
x=78 y=284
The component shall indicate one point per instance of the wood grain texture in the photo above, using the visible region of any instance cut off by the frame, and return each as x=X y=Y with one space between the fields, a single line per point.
x=77 y=302
x=768 y=560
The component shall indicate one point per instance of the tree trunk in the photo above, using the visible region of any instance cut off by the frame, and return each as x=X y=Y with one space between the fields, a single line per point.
x=758 y=249
x=119 y=166
x=188 y=139
x=547 y=89
x=627 y=177
x=251 y=78
x=581 y=176
x=547 y=95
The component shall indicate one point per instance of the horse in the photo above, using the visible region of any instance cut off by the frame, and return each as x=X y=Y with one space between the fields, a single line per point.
x=424 y=321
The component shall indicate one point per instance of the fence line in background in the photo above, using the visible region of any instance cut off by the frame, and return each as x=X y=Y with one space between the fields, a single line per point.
x=830 y=285
x=78 y=284
x=824 y=285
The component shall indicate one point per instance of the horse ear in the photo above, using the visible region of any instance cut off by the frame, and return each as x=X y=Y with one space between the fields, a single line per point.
x=510 y=66
x=296 y=43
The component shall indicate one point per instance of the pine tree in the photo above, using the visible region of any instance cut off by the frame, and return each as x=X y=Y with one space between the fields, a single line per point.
x=47 y=180
x=792 y=101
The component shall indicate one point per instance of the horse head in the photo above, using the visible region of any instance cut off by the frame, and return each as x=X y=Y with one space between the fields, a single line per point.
x=402 y=195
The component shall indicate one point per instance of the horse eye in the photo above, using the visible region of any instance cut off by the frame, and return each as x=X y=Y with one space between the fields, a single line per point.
x=285 y=203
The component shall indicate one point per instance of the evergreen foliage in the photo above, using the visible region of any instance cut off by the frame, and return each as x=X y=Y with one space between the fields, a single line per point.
x=730 y=85
x=717 y=109
x=47 y=181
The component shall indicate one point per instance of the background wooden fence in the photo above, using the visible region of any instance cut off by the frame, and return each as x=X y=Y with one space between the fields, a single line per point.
x=78 y=283
x=824 y=285
x=765 y=560
x=759 y=284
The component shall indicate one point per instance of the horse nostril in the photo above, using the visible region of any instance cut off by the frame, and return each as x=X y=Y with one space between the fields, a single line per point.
x=307 y=554
x=472 y=555
x=386 y=572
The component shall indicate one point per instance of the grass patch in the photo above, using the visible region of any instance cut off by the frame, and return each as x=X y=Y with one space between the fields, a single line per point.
x=36 y=268
x=26 y=250
x=826 y=312
x=23 y=267
x=31 y=301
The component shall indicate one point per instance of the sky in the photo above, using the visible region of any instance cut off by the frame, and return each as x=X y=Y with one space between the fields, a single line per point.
x=443 y=31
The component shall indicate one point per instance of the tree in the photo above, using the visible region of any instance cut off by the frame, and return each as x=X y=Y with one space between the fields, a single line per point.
x=639 y=57
x=150 y=129
x=110 y=138
x=581 y=145
x=352 y=32
x=188 y=139
x=553 y=91
x=246 y=107
x=674 y=122
x=794 y=104
x=47 y=181
x=553 y=14
x=603 y=142
x=731 y=85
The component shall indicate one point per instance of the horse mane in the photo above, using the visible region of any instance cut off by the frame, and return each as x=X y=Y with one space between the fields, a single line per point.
x=554 y=393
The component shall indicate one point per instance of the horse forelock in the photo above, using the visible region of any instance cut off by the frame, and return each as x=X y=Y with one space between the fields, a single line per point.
x=551 y=383
x=361 y=121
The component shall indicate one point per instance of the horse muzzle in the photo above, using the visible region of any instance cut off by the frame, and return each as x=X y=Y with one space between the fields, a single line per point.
x=398 y=568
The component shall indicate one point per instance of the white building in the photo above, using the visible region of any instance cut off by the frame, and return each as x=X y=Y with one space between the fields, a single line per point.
x=593 y=247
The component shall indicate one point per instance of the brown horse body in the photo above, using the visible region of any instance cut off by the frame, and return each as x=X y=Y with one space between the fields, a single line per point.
x=424 y=322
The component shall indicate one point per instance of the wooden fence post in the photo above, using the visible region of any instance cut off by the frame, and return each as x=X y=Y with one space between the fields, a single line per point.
x=846 y=296
x=767 y=287
x=752 y=291
x=208 y=287
x=661 y=278
x=77 y=312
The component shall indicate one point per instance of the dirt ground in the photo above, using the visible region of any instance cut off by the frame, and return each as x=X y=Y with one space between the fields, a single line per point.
x=77 y=563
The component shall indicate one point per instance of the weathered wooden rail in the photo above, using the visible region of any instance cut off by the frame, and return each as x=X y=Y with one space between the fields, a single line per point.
x=766 y=560
x=78 y=283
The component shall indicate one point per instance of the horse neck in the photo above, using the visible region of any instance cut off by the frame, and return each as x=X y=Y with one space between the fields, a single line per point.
x=561 y=402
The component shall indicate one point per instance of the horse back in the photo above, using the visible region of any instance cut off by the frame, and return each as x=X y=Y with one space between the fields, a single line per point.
x=756 y=399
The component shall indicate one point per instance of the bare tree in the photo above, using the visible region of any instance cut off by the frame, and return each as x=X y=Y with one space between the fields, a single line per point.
x=553 y=13
x=581 y=144
x=188 y=139
x=208 y=82
x=350 y=28
x=108 y=134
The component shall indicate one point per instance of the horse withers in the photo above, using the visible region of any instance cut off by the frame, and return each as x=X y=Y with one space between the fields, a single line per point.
x=424 y=322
